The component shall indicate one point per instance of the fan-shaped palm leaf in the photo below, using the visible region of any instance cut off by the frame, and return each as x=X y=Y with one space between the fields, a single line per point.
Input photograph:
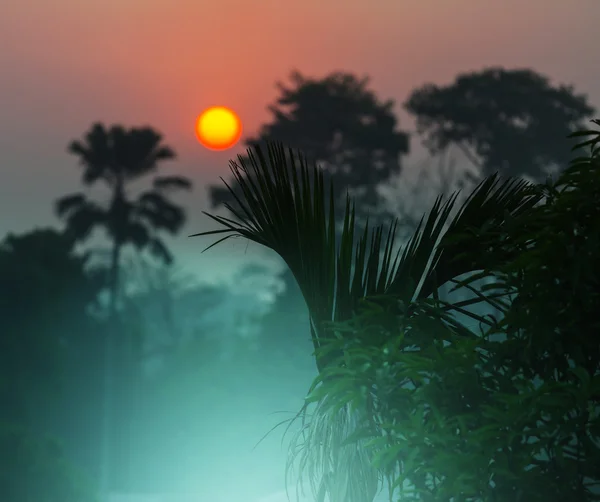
x=284 y=208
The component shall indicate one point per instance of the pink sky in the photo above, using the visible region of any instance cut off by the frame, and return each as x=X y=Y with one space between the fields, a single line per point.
x=68 y=63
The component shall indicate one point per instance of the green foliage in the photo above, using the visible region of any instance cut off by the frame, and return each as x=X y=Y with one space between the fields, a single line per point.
x=509 y=413
x=283 y=208
x=557 y=275
x=45 y=293
x=446 y=431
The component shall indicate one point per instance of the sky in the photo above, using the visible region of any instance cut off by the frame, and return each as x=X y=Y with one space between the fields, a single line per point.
x=67 y=64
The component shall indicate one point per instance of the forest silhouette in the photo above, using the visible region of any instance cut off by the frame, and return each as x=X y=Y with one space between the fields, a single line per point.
x=509 y=354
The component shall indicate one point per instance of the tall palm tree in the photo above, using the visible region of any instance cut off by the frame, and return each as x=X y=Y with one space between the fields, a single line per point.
x=281 y=204
x=117 y=157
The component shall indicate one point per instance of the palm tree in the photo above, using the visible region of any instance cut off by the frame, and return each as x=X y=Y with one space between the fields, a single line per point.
x=117 y=157
x=283 y=207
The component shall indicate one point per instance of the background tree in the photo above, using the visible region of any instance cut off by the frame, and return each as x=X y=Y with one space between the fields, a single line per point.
x=511 y=121
x=290 y=216
x=408 y=196
x=489 y=417
x=117 y=157
x=153 y=292
x=46 y=292
x=341 y=124
x=47 y=361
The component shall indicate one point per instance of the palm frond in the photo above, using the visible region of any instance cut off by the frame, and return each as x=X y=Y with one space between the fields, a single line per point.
x=70 y=203
x=137 y=234
x=142 y=151
x=81 y=222
x=118 y=153
x=321 y=453
x=94 y=153
x=158 y=248
x=172 y=182
x=435 y=255
x=283 y=207
x=81 y=215
x=282 y=210
x=157 y=210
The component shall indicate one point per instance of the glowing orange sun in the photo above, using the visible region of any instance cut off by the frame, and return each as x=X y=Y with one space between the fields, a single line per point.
x=218 y=128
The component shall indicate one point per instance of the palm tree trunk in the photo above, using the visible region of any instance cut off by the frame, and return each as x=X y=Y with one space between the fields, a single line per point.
x=105 y=462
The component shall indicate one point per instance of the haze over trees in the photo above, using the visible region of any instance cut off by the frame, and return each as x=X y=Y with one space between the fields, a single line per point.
x=513 y=121
x=508 y=120
x=340 y=122
x=116 y=157
x=47 y=346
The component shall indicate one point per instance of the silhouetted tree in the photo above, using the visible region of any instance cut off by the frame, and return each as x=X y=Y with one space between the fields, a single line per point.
x=340 y=123
x=45 y=293
x=117 y=157
x=511 y=121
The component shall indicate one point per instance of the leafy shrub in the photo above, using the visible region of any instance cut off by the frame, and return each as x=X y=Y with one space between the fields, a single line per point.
x=506 y=413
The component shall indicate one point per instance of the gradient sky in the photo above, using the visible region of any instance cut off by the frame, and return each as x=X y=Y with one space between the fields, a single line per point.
x=67 y=63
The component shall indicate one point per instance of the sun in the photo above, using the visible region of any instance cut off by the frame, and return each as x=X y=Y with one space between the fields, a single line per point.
x=218 y=128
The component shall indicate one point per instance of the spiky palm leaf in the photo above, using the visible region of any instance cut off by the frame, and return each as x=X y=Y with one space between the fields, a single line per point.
x=284 y=208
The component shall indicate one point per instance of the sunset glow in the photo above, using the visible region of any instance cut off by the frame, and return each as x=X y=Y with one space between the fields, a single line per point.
x=218 y=128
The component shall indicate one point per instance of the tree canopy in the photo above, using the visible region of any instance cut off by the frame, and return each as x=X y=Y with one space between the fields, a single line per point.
x=340 y=123
x=116 y=157
x=511 y=121
x=45 y=293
